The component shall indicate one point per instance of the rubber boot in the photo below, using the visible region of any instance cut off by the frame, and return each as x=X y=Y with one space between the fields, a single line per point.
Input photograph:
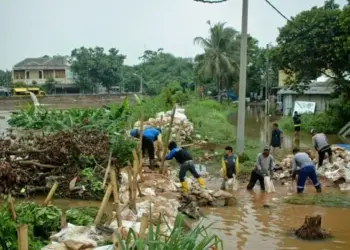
x=184 y=186
x=201 y=182
x=151 y=164
x=223 y=185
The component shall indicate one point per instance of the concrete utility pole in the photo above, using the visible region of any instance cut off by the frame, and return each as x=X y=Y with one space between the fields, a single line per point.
x=242 y=79
x=267 y=81
x=141 y=82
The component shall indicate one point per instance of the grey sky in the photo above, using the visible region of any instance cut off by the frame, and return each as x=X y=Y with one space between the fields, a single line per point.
x=33 y=28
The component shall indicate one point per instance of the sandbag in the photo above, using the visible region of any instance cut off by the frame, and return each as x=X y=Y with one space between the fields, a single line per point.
x=269 y=187
x=233 y=184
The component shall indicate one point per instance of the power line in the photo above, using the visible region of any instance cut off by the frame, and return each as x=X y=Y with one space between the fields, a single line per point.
x=210 y=1
x=279 y=12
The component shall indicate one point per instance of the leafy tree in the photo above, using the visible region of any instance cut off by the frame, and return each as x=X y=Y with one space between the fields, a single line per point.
x=216 y=61
x=316 y=42
x=93 y=66
x=5 y=78
x=157 y=70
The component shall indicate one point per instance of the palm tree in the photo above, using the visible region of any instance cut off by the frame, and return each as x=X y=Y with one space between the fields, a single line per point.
x=217 y=61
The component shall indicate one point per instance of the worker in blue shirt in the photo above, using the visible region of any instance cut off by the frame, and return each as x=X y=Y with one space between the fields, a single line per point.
x=149 y=136
x=276 y=139
x=186 y=164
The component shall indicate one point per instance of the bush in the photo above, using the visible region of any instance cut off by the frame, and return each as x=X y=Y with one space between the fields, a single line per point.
x=329 y=122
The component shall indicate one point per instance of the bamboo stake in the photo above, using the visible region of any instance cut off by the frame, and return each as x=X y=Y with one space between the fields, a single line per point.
x=132 y=206
x=107 y=170
x=115 y=196
x=103 y=204
x=134 y=185
x=140 y=146
x=12 y=208
x=22 y=234
x=144 y=225
x=162 y=169
x=139 y=169
x=51 y=193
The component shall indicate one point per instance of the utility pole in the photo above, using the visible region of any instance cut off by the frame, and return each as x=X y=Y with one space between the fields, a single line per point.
x=267 y=81
x=141 y=85
x=242 y=79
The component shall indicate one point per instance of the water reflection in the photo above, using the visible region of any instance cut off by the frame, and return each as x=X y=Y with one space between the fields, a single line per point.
x=250 y=226
x=259 y=126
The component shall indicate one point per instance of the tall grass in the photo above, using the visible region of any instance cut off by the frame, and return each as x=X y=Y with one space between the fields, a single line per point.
x=196 y=239
x=324 y=200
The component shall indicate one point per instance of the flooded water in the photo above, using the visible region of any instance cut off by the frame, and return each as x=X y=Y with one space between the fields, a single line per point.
x=259 y=127
x=250 y=226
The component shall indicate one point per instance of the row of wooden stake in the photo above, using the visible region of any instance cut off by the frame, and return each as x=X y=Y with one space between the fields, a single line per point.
x=133 y=172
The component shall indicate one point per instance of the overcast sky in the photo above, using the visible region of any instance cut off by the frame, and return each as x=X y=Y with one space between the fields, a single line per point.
x=33 y=28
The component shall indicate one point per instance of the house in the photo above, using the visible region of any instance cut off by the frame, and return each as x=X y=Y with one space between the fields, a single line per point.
x=318 y=92
x=38 y=70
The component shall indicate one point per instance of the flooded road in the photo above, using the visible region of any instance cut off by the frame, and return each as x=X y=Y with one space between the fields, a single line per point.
x=259 y=127
x=250 y=226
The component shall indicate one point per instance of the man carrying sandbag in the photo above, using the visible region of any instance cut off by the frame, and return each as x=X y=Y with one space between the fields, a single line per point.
x=307 y=169
x=149 y=136
x=230 y=168
x=186 y=164
x=320 y=143
x=264 y=167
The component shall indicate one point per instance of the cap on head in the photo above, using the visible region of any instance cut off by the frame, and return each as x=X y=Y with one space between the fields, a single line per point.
x=172 y=145
x=267 y=148
x=229 y=148
x=312 y=131
x=135 y=132
x=159 y=129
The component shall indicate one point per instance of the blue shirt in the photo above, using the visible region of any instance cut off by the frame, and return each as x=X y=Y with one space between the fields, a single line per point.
x=180 y=155
x=276 y=137
x=151 y=133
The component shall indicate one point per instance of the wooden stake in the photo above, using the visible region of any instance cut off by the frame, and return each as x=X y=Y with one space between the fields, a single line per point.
x=134 y=185
x=51 y=193
x=132 y=206
x=115 y=196
x=22 y=234
x=162 y=169
x=103 y=204
x=139 y=169
x=12 y=208
x=140 y=148
x=107 y=170
x=144 y=226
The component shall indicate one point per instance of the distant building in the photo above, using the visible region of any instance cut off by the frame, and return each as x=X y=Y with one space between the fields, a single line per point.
x=319 y=92
x=38 y=70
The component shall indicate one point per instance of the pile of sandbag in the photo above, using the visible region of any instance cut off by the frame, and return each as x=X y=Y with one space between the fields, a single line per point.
x=338 y=171
x=181 y=130
x=207 y=197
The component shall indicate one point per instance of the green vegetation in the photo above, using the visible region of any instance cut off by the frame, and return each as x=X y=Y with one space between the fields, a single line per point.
x=44 y=220
x=41 y=222
x=211 y=120
x=329 y=122
x=315 y=43
x=83 y=216
x=197 y=238
x=324 y=200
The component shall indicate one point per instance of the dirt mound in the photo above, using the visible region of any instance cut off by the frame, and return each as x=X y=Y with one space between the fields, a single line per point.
x=32 y=163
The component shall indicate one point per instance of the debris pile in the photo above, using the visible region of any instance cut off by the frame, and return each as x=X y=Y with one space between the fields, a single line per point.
x=311 y=229
x=181 y=130
x=337 y=172
x=32 y=163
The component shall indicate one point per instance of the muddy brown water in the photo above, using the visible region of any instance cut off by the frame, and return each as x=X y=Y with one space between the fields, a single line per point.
x=249 y=225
